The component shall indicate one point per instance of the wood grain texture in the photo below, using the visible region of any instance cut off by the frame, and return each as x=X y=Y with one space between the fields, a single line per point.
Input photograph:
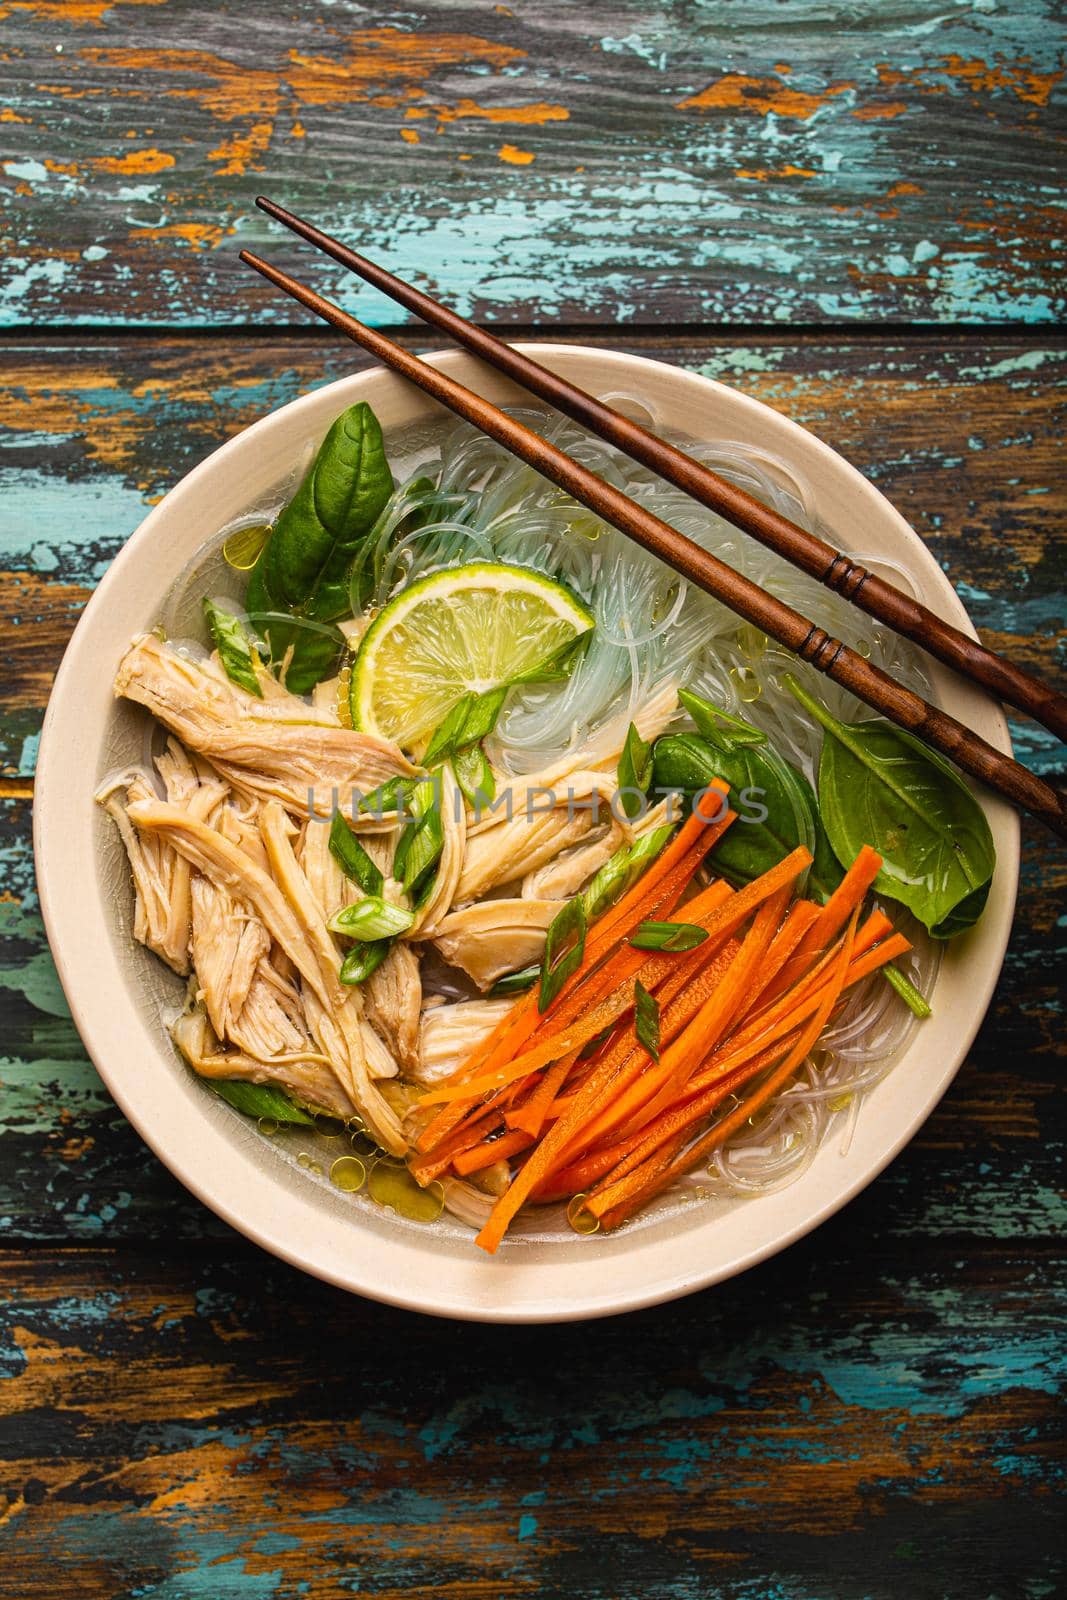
x=870 y=1415
x=622 y=163
x=216 y=1427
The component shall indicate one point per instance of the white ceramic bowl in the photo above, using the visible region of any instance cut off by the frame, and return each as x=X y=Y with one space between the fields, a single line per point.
x=116 y=989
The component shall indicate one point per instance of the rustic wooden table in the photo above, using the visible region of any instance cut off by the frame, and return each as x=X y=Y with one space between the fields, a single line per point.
x=849 y=213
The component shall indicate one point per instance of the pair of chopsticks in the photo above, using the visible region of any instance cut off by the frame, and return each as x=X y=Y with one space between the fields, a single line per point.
x=747 y=599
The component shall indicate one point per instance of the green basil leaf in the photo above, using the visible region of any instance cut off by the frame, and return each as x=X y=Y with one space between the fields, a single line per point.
x=363 y=960
x=564 y=947
x=667 y=936
x=646 y=1019
x=716 y=724
x=369 y=919
x=881 y=787
x=234 y=647
x=302 y=652
x=261 y=1100
x=351 y=857
x=774 y=805
x=306 y=560
x=474 y=776
x=514 y=983
x=635 y=771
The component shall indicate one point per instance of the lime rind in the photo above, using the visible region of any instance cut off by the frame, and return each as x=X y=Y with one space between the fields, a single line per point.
x=466 y=629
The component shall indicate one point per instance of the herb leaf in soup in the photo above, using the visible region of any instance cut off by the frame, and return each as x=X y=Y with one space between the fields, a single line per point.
x=234 y=647
x=879 y=786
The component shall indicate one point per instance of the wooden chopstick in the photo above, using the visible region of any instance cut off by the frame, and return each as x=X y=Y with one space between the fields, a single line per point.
x=780 y=621
x=805 y=550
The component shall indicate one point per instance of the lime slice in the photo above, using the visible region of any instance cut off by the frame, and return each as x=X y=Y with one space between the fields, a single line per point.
x=469 y=629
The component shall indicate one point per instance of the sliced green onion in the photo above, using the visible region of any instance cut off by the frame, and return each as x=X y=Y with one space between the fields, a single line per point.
x=514 y=983
x=423 y=839
x=369 y=919
x=559 y=665
x=389 y=796
x=912 y=998
x=261 y=1100
x=351 y=857
x=446 y=736
x=646 y=1019
x=474 y=775
x=234 y=648
x=481 y=716
x=712 y=722
x=667 y=936
x=564 y=947
x=622 y=870
x=635 y=771
x=595 y=1043
x=362 y=960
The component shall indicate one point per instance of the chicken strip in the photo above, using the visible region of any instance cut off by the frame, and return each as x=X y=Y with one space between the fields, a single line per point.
x=276 y=748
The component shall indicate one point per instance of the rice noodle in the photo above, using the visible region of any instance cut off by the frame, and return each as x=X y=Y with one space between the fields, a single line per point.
x=652 y=627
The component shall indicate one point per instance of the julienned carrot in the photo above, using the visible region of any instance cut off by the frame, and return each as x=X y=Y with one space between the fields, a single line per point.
x=631 y=1088
x=570 y=1180
x=719 y=924
x=430 y=1166
x=483 y=1155
x=529 y=1117
x=789 y=1013
x=670 y=871
x=614 y=1204
x=721 y=1007
x=832 y=917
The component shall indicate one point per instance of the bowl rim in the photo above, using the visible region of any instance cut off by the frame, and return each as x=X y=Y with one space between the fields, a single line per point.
x=265 y=1228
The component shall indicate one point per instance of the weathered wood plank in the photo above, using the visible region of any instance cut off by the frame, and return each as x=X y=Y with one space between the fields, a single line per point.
x=209 y=1426
x=958 y=433
x=540 y=162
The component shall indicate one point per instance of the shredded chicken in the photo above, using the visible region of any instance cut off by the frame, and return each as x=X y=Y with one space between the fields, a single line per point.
x=278 y=748
x=393 y=997
x=496 y=936
x=308 y=1074
x=513 y=849
x=449 y=1033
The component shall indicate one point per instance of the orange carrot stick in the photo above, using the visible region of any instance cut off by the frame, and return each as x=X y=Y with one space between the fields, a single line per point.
x=720 y=923
x=618 y=1200
x=483 y=1155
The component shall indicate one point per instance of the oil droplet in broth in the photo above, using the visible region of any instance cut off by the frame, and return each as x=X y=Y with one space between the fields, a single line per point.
x=389 y=1183
x=268 y=1126
x=329 y=1127
x=348 y=1173
x=241 y=550
x=581 y=1220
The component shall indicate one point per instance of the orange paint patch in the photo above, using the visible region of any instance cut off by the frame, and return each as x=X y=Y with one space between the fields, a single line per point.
x=137 y=162
x=737 y=92
x=515 y=158
x=1034 y=88
x=526 y=116
x=409 y=136
x=7 y=115
x=904 y=188
x=761 y=174
x=65 y=169
x=378 y=55
x=298 y=131
x=200 y=235
x=241 y=149
x=894 y=108
x=76 y=11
